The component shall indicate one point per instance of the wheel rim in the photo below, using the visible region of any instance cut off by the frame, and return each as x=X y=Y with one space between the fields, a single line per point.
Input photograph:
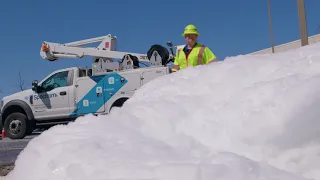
x=14 y=126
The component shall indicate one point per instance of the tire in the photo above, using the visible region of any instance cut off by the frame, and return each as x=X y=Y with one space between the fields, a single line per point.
x=15 y=126
x=134 y=59
x=163 y=52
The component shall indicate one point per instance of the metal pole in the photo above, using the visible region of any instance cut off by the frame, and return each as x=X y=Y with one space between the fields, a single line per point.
x=270 y=24
x=303 y=23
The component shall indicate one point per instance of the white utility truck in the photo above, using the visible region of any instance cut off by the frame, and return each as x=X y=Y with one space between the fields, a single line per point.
x=68 y=93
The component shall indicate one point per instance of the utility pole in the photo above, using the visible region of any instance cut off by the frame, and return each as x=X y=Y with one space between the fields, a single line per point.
x=303 y=23
x=270 y=24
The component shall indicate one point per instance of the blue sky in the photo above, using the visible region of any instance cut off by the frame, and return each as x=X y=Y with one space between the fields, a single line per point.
x=228 y=27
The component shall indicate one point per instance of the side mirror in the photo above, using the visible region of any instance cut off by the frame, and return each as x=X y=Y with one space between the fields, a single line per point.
x=169 y=43
x=35 y=85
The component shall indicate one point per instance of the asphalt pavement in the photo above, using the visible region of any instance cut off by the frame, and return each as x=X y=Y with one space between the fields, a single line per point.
x=10 y=149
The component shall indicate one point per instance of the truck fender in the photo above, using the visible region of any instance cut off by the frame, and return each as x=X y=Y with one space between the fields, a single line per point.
x=119 y=102
x=16 y=106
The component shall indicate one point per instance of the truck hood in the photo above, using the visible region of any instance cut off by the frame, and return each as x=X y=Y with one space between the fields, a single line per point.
x=22 y=95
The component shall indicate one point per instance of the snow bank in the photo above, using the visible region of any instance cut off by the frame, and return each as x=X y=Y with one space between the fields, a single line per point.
x=246 y=118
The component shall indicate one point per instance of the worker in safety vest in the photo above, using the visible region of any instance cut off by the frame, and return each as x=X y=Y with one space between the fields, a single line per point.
x=193 y=53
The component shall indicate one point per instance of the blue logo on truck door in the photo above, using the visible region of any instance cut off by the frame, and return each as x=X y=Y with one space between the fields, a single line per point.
x=106 y=87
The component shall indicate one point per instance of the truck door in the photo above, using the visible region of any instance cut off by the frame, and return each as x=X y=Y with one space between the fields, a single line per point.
x=89 y=95
x=54 y=100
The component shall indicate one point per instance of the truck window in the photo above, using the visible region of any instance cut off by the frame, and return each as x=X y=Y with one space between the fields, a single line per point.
x=59 y=79
x=85 y=72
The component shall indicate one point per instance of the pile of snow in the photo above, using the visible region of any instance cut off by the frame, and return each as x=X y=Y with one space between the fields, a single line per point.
x=246 y=118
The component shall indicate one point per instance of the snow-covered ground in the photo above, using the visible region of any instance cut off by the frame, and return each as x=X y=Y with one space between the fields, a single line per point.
x=246 y=118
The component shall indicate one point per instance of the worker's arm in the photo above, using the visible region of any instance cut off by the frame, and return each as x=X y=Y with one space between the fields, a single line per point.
x=176 y=66
x=208 y=56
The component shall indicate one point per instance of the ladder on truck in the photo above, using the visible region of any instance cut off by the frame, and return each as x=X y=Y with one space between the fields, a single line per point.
x=104 y=54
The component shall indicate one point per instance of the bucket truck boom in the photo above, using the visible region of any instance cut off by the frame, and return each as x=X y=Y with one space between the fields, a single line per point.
x=104 y=54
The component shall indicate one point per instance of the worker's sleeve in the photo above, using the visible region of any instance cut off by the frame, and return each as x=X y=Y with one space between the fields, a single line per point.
x=176 y=59
x=176 y=63
x=208 y=56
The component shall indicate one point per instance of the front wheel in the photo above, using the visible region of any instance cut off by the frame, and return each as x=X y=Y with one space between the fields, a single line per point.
x=15 y=126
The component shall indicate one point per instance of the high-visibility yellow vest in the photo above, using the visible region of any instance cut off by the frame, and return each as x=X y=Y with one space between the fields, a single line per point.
x=200 y=54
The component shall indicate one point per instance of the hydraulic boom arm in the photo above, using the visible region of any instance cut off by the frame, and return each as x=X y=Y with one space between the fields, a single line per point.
x=106 y=49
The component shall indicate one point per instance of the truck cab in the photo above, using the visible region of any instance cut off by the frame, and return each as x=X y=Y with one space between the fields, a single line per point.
x=53 y=97
x=50 y=101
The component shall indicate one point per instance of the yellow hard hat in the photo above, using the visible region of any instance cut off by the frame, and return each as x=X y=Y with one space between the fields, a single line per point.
x=190 y=29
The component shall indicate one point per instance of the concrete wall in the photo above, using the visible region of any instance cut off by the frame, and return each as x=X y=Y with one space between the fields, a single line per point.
x=291 y=45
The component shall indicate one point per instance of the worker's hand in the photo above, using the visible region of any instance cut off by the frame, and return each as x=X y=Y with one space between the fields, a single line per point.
x=173 y=70
x=171 y=56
